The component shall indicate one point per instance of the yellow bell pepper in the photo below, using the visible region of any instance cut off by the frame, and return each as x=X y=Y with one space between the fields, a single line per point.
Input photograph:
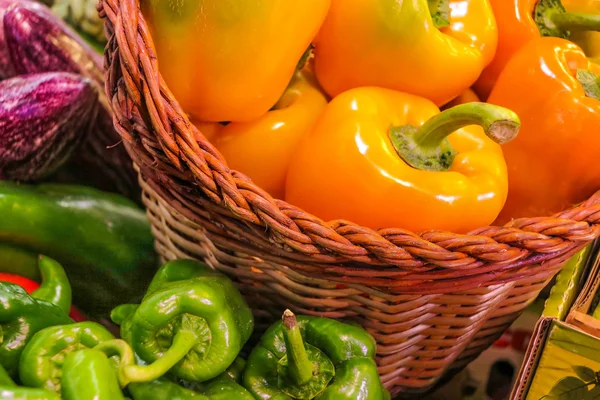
x=383 y=159
x=433 y=49
x=231 y=60
x=262 y=149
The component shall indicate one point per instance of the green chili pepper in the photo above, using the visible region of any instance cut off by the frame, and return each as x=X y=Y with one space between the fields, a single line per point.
x=25 y=393
x=314 y=358
x=103 y=241
x=192 y=322
x=21 y=317
x=88 y=375
x=42 y=360
x=55 y=287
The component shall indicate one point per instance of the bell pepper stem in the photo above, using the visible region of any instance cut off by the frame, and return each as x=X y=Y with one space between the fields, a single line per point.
x=552 y=19
x=427 y=147
x=576 y=21
x=55 y=287
x=120 y=348
x=500 y=124
x=300 y=368
x=183 y=342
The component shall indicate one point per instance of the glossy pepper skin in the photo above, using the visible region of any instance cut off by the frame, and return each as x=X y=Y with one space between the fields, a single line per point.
x=314 y=358
x=263 y=148
x=30 y=286
x=224 y=387
x=42 y=359
x=21 y=317
x=231 y=60
x=89 y=375
x=589 y=41
x=25 y=393
x=349 y=167
x=102 y=240
x=54 y=288
x=549 y=163
x=396 y=45
x=520 y=25
x=192 y=321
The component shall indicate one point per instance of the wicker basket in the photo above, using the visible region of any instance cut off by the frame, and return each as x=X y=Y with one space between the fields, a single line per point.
x=432 y=301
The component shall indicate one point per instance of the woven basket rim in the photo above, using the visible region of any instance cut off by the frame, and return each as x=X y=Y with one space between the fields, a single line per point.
x=180 y=160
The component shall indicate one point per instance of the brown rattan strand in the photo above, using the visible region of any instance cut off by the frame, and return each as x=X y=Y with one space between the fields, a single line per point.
x=419 y=337
x=432 y=300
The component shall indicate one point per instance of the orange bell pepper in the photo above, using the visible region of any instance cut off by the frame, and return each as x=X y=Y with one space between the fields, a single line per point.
x=525 y=20
x=231 y=60
x=382 y=158
x=262 y=149
x=468 y=96
x=405 y=47
x=552 y=164
x=589 y=41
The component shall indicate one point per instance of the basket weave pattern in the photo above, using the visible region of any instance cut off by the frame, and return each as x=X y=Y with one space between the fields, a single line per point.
x=433 y=301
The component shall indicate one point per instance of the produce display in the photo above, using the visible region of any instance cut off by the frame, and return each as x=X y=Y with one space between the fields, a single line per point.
x=183 y=340
x=420 y=115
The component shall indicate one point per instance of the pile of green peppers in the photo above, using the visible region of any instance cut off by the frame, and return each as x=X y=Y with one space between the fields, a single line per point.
x=181 y=340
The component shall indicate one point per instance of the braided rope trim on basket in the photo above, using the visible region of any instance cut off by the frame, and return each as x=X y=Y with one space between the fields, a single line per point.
x=173 y=153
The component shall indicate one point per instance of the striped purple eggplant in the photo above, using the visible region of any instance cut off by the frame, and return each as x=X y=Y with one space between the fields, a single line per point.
x=6 y=67
x=37 y=44
x=43 y=118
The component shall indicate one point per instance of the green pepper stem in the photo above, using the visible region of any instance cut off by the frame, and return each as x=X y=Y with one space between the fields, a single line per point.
x=120 y=348
x=55 y=287
x=183 y=342
x=300 y=368
x=576 y=21
x=427 y=147
x=500 y=124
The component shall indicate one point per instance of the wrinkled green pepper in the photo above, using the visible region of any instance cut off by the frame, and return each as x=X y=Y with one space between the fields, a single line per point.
x=42 y=360
x=25 y=393
x=192 y=322
x=5 y=379
x=21 y=317
x=314 y=358
x=224 y=387
x=88 y=375
x=103 y=240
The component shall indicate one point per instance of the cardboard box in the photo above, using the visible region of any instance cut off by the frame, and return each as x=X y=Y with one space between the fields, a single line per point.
x=563 y=356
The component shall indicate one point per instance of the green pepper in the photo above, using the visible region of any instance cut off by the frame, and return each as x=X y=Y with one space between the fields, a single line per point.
x=42 y=360
x=103 y=241
x=55 y=287
x=314 y=358
x=25 y=393
x=5 y=379
x=192 y=322
x=21 y=317
x=226 y=386
x=88 y=375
